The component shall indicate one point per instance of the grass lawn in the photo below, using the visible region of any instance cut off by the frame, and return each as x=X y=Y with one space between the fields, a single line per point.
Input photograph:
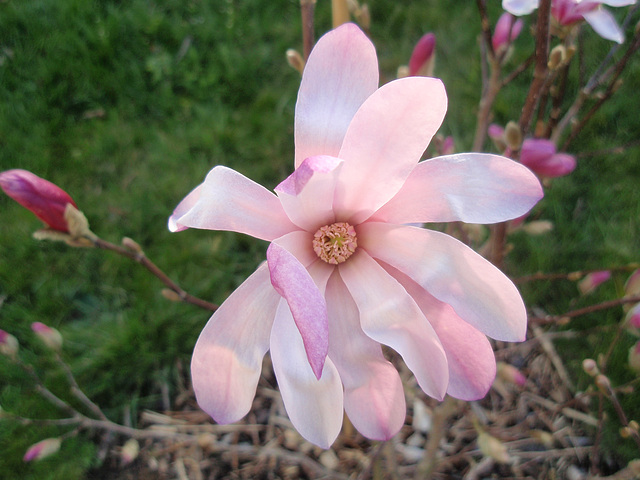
x=127 y=105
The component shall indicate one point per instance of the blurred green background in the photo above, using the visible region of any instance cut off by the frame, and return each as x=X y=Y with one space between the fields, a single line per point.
x=127 y=105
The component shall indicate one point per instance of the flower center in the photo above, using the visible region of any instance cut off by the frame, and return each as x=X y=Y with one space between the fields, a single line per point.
x=335 y=243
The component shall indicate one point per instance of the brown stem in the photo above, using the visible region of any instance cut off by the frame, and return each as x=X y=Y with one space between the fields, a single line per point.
x=486 y=103
x=590 y=309
x=307 y=8
x=76 y=391
x=486 y=27
x=518 y=70
x=441 y=414
x=498 y=239
x=540 y=71
x=572 y=275
x=141 y=258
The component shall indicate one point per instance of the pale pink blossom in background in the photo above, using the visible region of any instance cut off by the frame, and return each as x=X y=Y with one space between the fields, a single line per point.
x=423 y=56
x=48 y=335
x=540 y=155
x=9 y=345
x=506 y=31
x=45 y=199
x=567 y=12
x=344 y=271
x=42 y=449
x=592 y=281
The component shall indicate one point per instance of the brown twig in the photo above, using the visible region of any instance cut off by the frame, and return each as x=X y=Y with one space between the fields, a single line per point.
x=572 y=275
x=142 y=259
x=307 y=8
x=583 y=311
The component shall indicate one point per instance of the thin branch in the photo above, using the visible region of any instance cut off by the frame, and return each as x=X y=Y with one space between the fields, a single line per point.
x=590 y=309
x=307 y=8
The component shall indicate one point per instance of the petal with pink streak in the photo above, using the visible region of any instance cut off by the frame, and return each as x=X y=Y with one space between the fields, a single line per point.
x=604 y=24
x=385 y=141
x=453 y=273
x=230 y=201
x=314 y=405
x=227 y=359
x=342 y=71
x=467 y=187
x=307 y=194
x=390 y=316
x=373 y=393
x=300 y=244
x=292 y=281
x=183 y=207
x=472 y=364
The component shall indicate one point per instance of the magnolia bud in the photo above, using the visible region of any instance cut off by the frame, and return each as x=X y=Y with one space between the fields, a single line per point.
x=9 y=345
x=295 y=60
x=42 y=449
x=511 y=374
x=540 y=155
x=49 y=336
x=423 y=57
x=632 y=287
x=590 y=367
x=130 y=451
x=557 y=57
x=603 y=383
x=506 y=31
x=44 y=199
x=513 y=135
x=538 y=227
x=592 y=281
x=632 y=320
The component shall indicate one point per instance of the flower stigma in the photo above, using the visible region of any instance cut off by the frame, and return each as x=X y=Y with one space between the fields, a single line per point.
x=335 y=243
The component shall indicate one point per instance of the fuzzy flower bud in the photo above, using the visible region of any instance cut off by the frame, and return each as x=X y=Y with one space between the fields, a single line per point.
x=590 y=367
x=603 y=383
x=493 y=448
x=496 y=133
x=632 y=287
x=42 y=449
x=295 y=60
x=49 y=336
x=423 y=57
x=511 y=374
x=634 y=357
x=513 y=135
x=632 y=320
x=130 y=451
x=506 y=31
x=9 y=345
x=540 y=156
x=46 y=200
x=592 y=281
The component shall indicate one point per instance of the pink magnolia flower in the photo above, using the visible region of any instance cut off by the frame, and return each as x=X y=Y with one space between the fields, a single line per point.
x=344 y=271
x=540 y=155
x=567 y=12
x=506 y=31
x=423 y=56
x=45 y=199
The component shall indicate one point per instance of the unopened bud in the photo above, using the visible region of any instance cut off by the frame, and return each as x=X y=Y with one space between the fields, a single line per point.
x=557 y=57
x=632 y=287
x=538 y=227
x=590 y=367
x=49 y=336
x=423 y=57
x=9 y=345
x=592 y=281
x=42 y=449
x=131 y=244
x=77 y=223
x=493 y=448
x=403 y=71
x=130 y=451
x=506 y=31
x=511 y=374
x=634 y=357
x=171 y=295
x=44 y=199
x=513 y=135
x=295 y=60
x=633 y=425
x=496 y=133
x=603 y=383
x=632 y=320
x=625 y=432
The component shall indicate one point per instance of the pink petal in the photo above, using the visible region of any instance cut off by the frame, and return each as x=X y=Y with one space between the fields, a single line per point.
x=558 y=165
x=472 y=364
x=342 y=71
x=520 y=7
x=422 y=53
x=230 y=201
x=467 y=187
x=227 y=359
x=604 y=24
x=507 y=29
x=385 y=141
x=308 y=307
x=183 y=207
x=390 y=316
x=373 y=393
x=307 y=194
x=314 y=405
x=300 y=244
x=536 y=151
x=453 y=273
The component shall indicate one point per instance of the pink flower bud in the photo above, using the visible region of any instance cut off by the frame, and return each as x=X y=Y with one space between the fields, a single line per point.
x=592 y=281
x=42 y=449
x=130 y=451
x=46 y=200
x=8 y=345
x=632 y=286
x=632 y=320
x=423 y=56
x=506 y=31
x=511 y=374
x=496 y=132
x=540 y=156
x=49 y=336
x=448 y=146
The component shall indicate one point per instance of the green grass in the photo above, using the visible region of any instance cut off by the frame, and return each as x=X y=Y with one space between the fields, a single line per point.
x=181 y=86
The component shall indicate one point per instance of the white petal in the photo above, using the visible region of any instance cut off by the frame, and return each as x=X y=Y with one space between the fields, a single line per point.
x=520 y=7
x=604 y=24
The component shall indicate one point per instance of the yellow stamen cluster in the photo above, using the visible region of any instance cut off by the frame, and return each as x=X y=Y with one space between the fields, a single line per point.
x=335 y=243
